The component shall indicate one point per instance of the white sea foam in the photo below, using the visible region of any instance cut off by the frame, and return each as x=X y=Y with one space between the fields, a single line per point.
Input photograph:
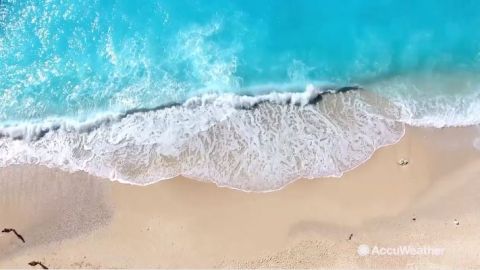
x=434 y=100
x=476 y=143
x=31 y=131
x=250 y=143
x=254 y=143
x=441 y=111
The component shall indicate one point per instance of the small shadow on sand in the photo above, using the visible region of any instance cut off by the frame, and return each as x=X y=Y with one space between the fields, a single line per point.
x=35 y=263
x=49 y=205
x=11 y=230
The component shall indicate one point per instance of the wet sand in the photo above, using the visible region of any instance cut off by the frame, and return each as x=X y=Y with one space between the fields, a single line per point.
x=80 y=221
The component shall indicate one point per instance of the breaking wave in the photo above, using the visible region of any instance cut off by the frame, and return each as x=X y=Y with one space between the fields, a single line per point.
x=249 y=143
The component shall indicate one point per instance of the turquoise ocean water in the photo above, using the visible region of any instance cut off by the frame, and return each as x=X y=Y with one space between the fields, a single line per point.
x=229 y=91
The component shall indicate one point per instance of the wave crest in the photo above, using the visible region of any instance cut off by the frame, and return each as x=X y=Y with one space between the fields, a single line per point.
x=273 y=140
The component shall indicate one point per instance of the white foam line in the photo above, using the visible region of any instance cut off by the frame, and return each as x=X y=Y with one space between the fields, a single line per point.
x=122 y=181
x=31 y=131
x=230 y=101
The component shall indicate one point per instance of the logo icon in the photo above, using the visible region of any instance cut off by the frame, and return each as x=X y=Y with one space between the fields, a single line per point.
x=363 y=250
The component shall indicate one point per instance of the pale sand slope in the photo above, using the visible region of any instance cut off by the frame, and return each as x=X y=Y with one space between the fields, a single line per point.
x=74 y=220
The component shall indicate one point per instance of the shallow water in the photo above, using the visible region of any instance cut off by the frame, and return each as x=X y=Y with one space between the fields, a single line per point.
x=90 y=85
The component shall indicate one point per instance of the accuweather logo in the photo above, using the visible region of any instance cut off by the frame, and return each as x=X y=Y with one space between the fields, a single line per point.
x=409 y=250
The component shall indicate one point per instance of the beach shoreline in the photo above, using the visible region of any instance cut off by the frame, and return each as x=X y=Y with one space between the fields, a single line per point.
x=73 y=220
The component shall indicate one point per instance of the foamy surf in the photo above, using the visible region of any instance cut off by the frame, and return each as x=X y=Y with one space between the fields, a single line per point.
x=433 y=99
x=251 y=143
x=239 y=142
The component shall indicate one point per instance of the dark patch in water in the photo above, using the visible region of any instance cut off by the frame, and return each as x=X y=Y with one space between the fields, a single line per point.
x=106 y=121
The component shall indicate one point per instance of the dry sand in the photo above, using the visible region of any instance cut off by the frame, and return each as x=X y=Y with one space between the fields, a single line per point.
x=79 y=221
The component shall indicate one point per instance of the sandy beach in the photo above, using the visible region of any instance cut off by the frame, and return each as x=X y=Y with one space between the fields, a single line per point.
x=274 y=134
x=79 y=221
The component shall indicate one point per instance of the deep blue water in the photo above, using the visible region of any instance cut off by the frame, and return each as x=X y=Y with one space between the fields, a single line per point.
x=77 y=57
